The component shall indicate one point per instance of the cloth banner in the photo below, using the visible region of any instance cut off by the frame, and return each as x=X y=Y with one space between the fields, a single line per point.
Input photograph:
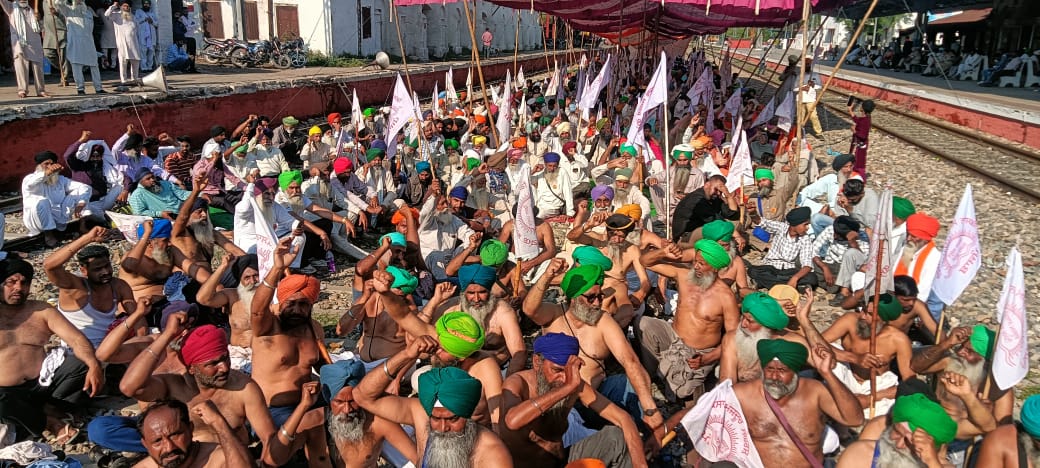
x=521 y=82
x=525 y=239
x=505 y=112
x=766 y=114
x=435 y=103
x=401 y=111
x=719 y=430
x=357 y=118
x=740 y=169
x=655 y=95
x=266 y=240
x=882 y=231
x=705 y=84
x=962 y=252
x=786 y=112
x=1011 y=354
x=733 y=105
x=449 y=85
x=588 y=100
x=127 y=224
x=554 y=82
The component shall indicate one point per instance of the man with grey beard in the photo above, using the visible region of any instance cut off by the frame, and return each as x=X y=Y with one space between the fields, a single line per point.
x=445 y=434
x=552 y=190
x=916 y=436
x=537 y=402
x=50 y=200
x=666 y=189
x=155 y=197
x=237 y=301
x=805 y=403
x=194 y=238
x=358 y=435
x=761 y=318
x=1010 y=444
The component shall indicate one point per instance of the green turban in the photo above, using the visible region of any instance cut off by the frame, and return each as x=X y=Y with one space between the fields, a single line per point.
x=540 y=100
x=713 y=253
x=902 y=208
x=409 y=141
x=403 y=280
x=288 y=177
x=919 y=412
x=889 y=307
x=493 y=253
x=589 y=255
x=791 y=354
x=472 y=163
x=374 y=153
x=602 y=123
x=451 y=388
x=763 y=173
x=459 y=334
x=765 y=310
x=682 y=152
x=240 y=150
x=544 y=121
x=451 y=143
x=581 y=279
x=718 y=231
x=982 y=340
x=369 y=112
x=623 y=174
x=627 y=149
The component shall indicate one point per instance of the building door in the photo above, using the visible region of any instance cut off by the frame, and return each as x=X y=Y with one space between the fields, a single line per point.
x=252 y=17
x=212 y=20
x=288 y=21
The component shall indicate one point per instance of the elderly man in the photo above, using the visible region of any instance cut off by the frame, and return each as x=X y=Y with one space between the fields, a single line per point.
x=95 y=165
x=667 y=189
x=285 y=349
x=770 y=204
x=317 y=220
x=127 y=49
x=379 y=178
x=358 y=434
x=195 y=238
x=790 y=256
x=360 y=198
x=237 y=300
x=28 y=326
x=155 y=197
x=576 y=167
x=283 y=138
x=582 y=317
x=316 y=153
x=782 y=396
x=537 y=402
x=445 y=433
x=1008 y=445
x=79 y=46
x=684 y=352
x=706 y=204
x=147 y=35
x=50 y=200
x=919 y=431
x=735 y=274
x=284 y=223
x=920 y=258
x=419 y=185
x=26 y=45
x=553 y=195
x=269 y=159
x=440 y=232
x=148 y=265
x=761 y=318
x=168 y=432
x=627 y=194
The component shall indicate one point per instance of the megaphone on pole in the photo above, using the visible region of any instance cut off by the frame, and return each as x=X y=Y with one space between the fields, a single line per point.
x=156 y=79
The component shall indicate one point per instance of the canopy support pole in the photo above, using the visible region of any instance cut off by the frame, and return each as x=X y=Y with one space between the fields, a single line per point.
x=806 y=10
x=480 y=71
x=516 y=42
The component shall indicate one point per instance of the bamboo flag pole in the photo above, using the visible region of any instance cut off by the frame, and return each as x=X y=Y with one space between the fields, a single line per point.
x=516 y=42
x=480 y=71
x=545 y=47
x=874 y=321
x=806 y=8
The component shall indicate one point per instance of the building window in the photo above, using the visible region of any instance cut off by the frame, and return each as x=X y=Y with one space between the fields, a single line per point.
x=366 y=22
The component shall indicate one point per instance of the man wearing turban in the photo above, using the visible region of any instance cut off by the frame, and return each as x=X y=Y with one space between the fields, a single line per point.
x=1003 y=446
x=318 y=222
x=790 y=256
x=575 y=166
x=683 y=177
x=761 y=318
x=853 y=331
x=286 y=345
x=545 y=395
x=440 y=233
x=414 y=192
x=553 y=193
x=920 y=257
x=722 y=232
x=378 y=176
x=448 y=430
x=360 y=199
x=283 y=223
x=49 y=199
x=317 y=152
x=806 y=404
x=684 y=352
x=916 y=436
x=821 y=196
x=601 y=337
x=269 y=154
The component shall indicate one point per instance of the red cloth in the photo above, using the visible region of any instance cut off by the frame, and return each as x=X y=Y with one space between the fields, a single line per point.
x=335 y=117
x=303 y=284
x=204 y=344
x=922 y=226
x=342 y=164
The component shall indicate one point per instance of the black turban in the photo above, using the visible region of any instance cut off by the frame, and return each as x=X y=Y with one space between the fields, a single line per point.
x=799 y=215
x=13 y=265
x=233 y=276
x=45 y=156
x=134 y=141
x=841 y=160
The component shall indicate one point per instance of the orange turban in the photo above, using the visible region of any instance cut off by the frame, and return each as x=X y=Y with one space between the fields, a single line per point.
x=303 y=284
x=922 y=226
x=398 y=217
x=480 y=119
x=632 y=211
x=520 y=142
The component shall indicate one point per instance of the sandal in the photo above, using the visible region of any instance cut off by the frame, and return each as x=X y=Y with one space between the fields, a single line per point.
x=66 y=435
x=21 y=94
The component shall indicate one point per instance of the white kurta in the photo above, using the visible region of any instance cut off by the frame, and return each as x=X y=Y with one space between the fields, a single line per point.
x=47 y=207
x=108 y=33
x=146 y=33
x=26 y=40
x=126 y=34
x=79 y=23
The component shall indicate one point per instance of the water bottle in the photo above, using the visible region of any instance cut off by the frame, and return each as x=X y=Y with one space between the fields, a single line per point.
x=330 y=260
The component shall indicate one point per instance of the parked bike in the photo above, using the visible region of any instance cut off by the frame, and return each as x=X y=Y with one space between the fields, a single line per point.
x=256 y=54
x=218 y=51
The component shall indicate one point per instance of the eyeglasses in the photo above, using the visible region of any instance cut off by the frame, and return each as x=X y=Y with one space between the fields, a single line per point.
x=591 y=298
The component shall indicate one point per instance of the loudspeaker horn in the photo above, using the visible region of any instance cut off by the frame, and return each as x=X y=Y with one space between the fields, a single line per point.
x=156 y=79
x=382 y=60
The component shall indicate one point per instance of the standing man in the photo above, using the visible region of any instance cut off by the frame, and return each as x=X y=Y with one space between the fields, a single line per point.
x=486 y=38
x=807 y=100
x=127 y=50
x=147 y=35
x=860 y=135
x=26 y=45
x=54 y=41
x=79 y=48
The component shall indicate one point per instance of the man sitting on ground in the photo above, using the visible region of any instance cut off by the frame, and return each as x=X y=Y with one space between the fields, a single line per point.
x=50 y=201
x=790 y=256
x=168 y=433
x=919 y=431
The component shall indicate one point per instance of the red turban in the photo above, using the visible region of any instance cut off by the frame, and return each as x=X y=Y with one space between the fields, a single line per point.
x=398 y=217
x=204 y=344
x=303 y=284
x=569 y=146
x=342 y=164
x=335 y=117
x=922 y=226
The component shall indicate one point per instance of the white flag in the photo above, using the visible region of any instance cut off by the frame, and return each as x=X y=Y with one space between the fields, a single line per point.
x=525 y=239
x=962 y=253
x=521 y=82
x=719 y=430
x=523 y=117
x=554 y=82
x=655 y=95
x=127 y=224
x=505 y=112
x=469 y=85
x=592 y=90
x=1011 y=353
x=786 y=112
x=704 y=84
x=494 y=96
x=449 y=85
x=435 y=105
x=356 y=116
x=733 y=105
x=766 y=114
x=882 y=231
x=266 y=240
x=402 y=110
x=740 y=169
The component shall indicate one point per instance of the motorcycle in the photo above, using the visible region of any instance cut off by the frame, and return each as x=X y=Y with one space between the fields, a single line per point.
x=218 y=51
x=296 y=51
x=257 y=54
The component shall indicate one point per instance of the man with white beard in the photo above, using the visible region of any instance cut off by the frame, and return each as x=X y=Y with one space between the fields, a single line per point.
x=552 y=190
x=445 y=434
x=237 y=300
x=79 y=44
x=920 y=258
x=281 y=219
x=537 y=405
x=666 y=189
x=626 y=194
x=127 y=49
x=26 y=45
x=919 y=430
x=379 y=178
x=194 y=237
x=50 y=200
x=147 y=35
x=317 y=221
x=357 y=434
x=761 y=318
x=318 y=189
x=442 y=235
x=148 y=265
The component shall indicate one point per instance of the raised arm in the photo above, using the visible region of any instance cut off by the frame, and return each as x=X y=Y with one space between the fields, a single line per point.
x=208 y=294
x=260 y=318
x=656 y=260
x=370 y=392
x=397 y=308
x=543 y=313
x=140 y=381
x=236 y=455
x=54 y=264
x=180 y=225
x=137 y=263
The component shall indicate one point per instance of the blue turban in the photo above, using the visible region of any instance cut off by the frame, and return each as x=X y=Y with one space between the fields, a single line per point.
x=556 y=347
x=1030 y=416
x=396 y=239
x=476 y=273
x=551 y=158
x=422 y=166
x=335 y=376
x=380 y=144
x=161 y=229
x=459 y=192
x=200 y=204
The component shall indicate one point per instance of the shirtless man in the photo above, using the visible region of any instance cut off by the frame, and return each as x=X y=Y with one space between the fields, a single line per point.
x=625 y=256
x=381 y=336
x=495 y=254
x=599 y=339
x=147 y=274
x=761 y=318
x=707 y=310
x=460 y=337
x=193 y=236
x=852 y=331
x=238 y=301
x=90 y=302
x=546 y=247
x=1004 y=446
x=285 y=350
x=358 y=435
x=806 y=403
x=25 y=328
x=537 y=402
x=167 y=432
x=501 y=326
x=735 y=274
x=445 y=433
x=917 y=436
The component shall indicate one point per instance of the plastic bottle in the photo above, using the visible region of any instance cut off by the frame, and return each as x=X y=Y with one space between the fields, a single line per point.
x=331 y=261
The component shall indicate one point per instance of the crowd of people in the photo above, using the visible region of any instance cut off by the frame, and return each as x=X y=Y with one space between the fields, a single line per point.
x=96 y=34
x=651 y=286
